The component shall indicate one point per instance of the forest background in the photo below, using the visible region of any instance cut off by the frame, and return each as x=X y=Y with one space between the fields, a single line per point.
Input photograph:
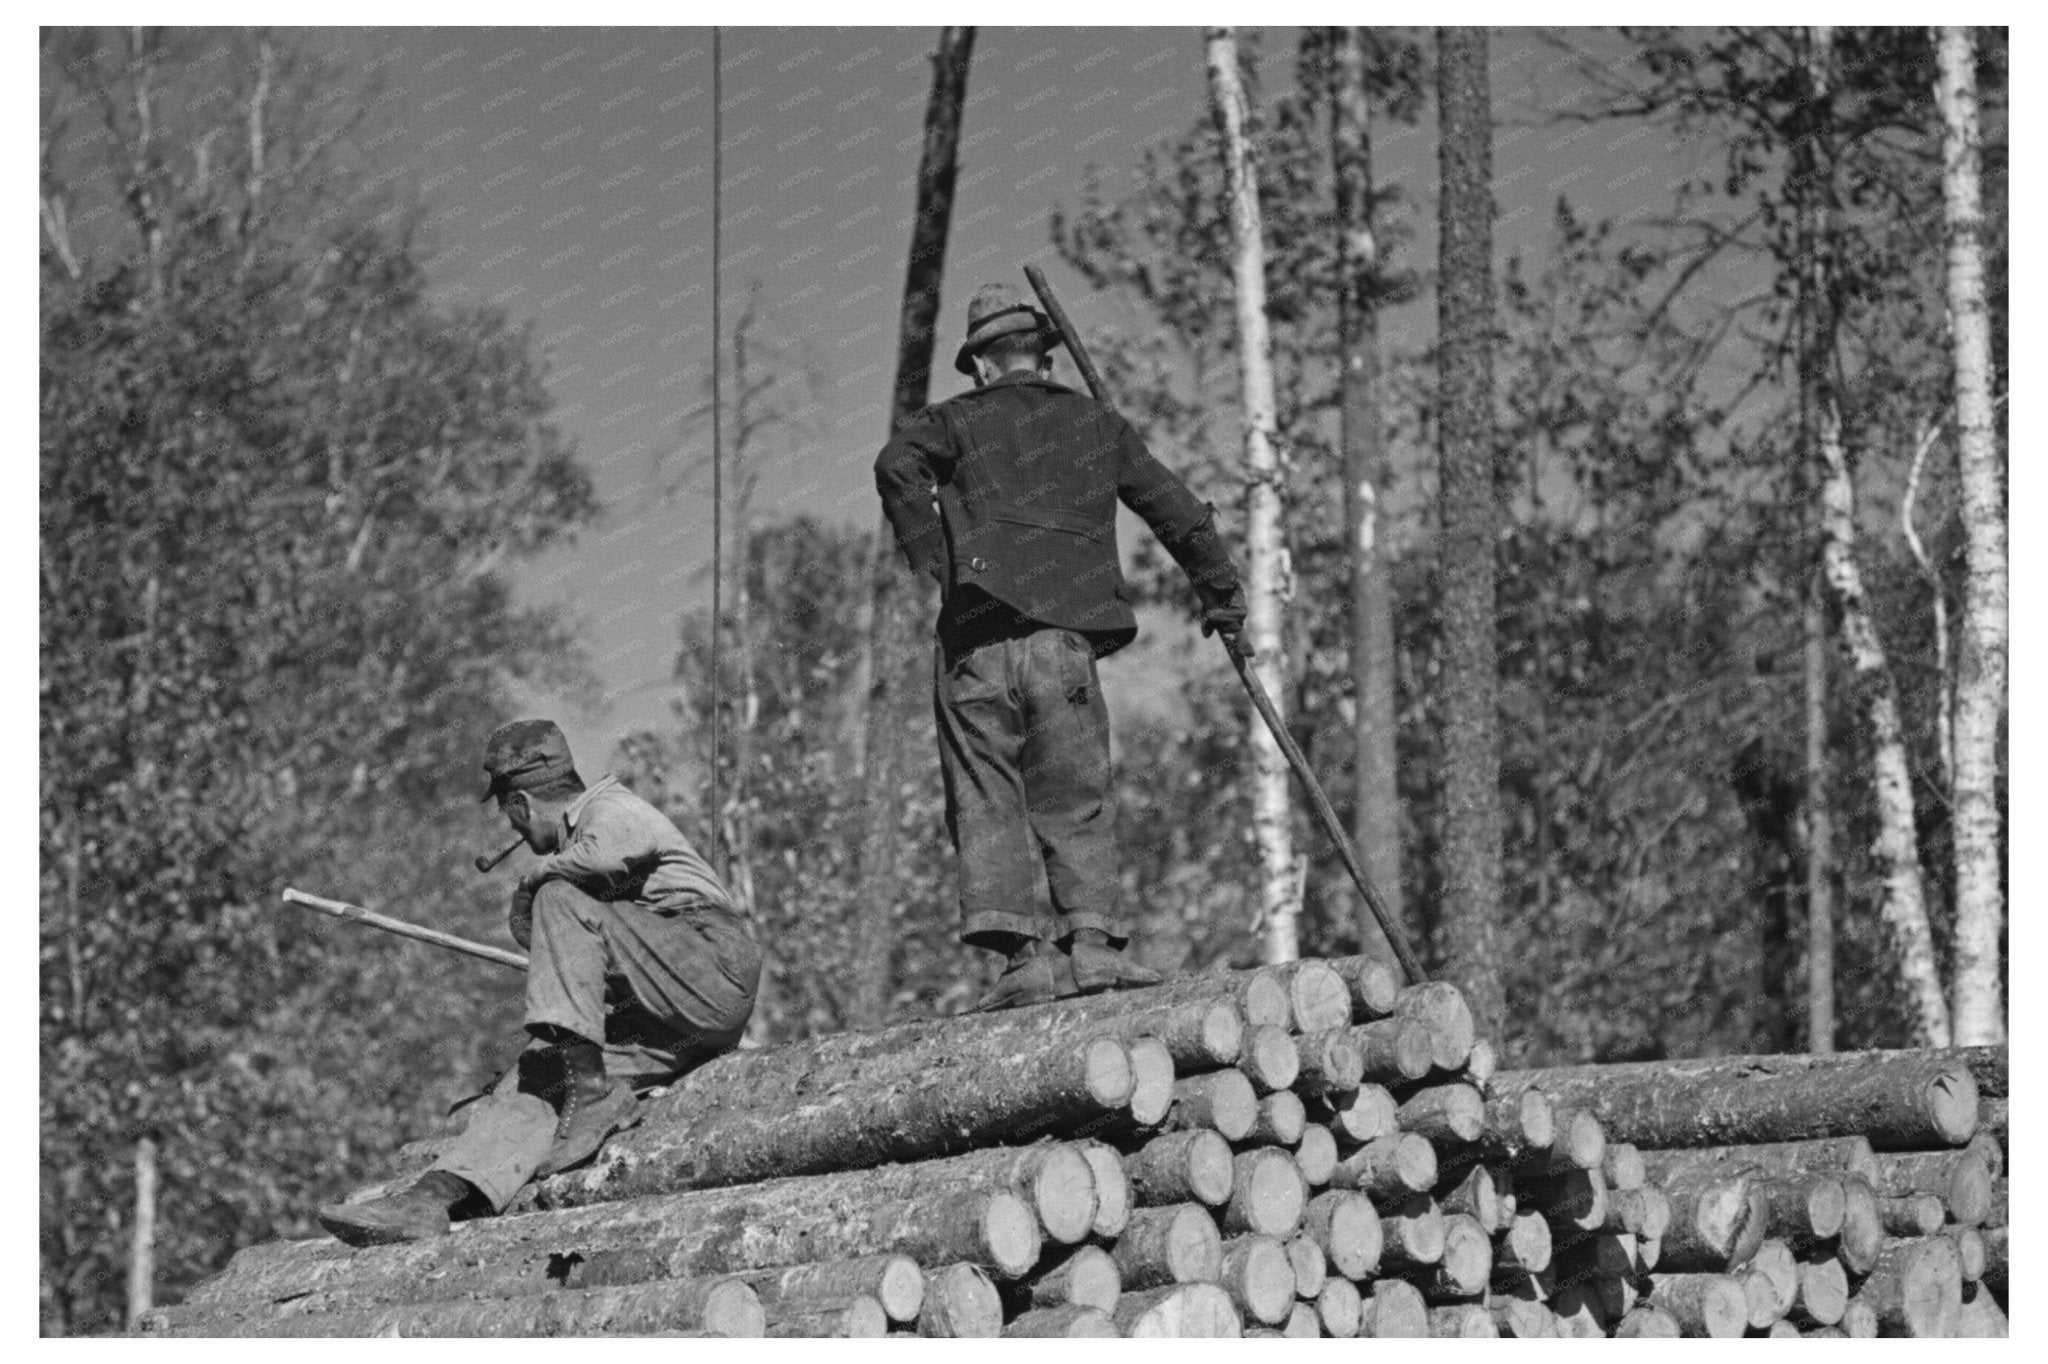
x=310 y=493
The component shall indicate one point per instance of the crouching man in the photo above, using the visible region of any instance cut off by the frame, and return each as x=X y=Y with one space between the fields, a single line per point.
x=640 y=970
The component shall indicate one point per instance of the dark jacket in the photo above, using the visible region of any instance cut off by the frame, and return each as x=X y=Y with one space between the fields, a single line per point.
x=1011 y=491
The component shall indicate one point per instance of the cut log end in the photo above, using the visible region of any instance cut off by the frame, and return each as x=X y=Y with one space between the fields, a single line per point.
x=733 y=1308
x=1316 y=1155
x=900 y=1288
x=1282 y=1120
x=1269 y=1059
x=1340 y=1308
x=1395 y=1309
x=1538 y=1118
x=1108 y=1072
x=1318 y=996
x=961 y=1302
x=1462 y=1321
x=1151 y=1081
x=1222 y=1034
x=1648 y=1322
x=1009 y=1234
x=1112 y=1189
x=1347 y=1227
x=1062 y=1189
x=1951 y=1099
x=1185 y=1311
x=1070 y=1322
x=1209 y=1169
x=1259 y=1278
x=1268 y=1194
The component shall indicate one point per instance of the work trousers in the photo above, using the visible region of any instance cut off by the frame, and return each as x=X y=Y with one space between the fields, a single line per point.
x=664 y=989
x=1024 y=750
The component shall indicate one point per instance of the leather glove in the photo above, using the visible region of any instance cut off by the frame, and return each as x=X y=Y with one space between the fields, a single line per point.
x=1224 y=615
x=520 y=920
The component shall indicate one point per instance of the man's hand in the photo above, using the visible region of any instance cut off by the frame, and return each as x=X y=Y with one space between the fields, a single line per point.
x=1224 y=615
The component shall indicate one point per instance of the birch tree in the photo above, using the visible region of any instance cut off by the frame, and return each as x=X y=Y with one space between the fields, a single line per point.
x=884 y=673
x=1980 y=688
x=1467 y=689
x=1268 y=585
x=1376 y=815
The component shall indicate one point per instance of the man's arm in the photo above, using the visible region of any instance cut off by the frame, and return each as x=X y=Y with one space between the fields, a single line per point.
x=1184 y=523
x=601 y=856
x=905 y=475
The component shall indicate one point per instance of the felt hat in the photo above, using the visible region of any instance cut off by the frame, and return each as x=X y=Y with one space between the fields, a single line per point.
x=998 y=310
x=525 y=754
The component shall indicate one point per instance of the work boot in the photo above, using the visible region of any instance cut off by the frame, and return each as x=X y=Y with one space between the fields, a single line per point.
x=1028 y=979
x=418 y=1213
x=1098 y=966
x=592 y=1106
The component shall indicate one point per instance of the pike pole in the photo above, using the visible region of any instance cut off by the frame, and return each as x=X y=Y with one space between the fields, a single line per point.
x=1240 y=657
x=357 y=914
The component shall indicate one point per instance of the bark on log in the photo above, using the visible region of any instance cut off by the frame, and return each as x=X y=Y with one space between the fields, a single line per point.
x=1316 y=1155
x=1466 y=1264
x=1388 y=1167
x=1783 y=1330
x=1311 y=1266
x=1988 y=1067
x=1374 y=985
x=1267 y=1195
x=1441 y=1008
x=1900 y=1100
x=1761 y=1297
x=1259 y=1278
x=1165 y=1246
x=1960 y=1179
x=1644 y=1212
x=1087 y=1277
x=1069 y=1323
x=1982 y=1318
x=1712 y=1306
x=1182 y=1311
x=957 y=1098
x=1394 y=1309
x=1280 y=1122
x=1916 y=1288
x=1917 y=1214
x=1347 y=1227
x=1268 y=1059
x=1482 y=1065
x=1411 y=1233
x=1526 y=1246
x=1317 y=995
x=1258 y=992
x=1835 y=1156
x=1303 y=1323
x=1448 y=1114
x=1181 y=1167
x=1989 y=1146
x=960 y=1302
x=1328 y=1062
x=1647 y=1321
x=1340 y=1308
x=718 y=1306
x=677 y=1236
x=1356 y=1117
x=2001 y=1204
x=852 y=1318
x=1112 y=1191
x=1823 y=1294
x=1393 y=1050
x=1152 y=1076
x=1862 y=1235
x=894 y=1281
x=1462 y=1321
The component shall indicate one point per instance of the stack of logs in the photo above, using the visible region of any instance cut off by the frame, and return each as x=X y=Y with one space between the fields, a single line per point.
x=1307 y=1150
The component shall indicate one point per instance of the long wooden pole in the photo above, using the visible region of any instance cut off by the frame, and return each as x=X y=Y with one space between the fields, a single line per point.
x=341 y=909
x=1317 y=799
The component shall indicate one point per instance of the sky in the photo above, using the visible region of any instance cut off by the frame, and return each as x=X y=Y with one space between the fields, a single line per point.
x=568 y=173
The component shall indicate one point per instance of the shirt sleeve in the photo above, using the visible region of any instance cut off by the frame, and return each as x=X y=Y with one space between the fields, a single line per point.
x=1184 y=523
x=599 y=858
x=906 y=475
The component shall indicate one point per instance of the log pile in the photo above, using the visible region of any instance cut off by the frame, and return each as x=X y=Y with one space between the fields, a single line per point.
x=1308 y=1150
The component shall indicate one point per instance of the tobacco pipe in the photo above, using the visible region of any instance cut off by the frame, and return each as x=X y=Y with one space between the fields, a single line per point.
x=488 y=863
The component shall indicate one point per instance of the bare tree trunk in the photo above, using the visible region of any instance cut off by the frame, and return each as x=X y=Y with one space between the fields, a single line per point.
x=1467 y=692
x=1898 y=849
x=1980 y=689
x=1376 y=811
x=142 y=1241
x=1269 y=579
x=1820 y=826
x=885 y=668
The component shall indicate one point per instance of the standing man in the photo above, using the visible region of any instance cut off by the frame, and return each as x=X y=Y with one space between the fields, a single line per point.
x=641 y=970
x=1007 y=496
